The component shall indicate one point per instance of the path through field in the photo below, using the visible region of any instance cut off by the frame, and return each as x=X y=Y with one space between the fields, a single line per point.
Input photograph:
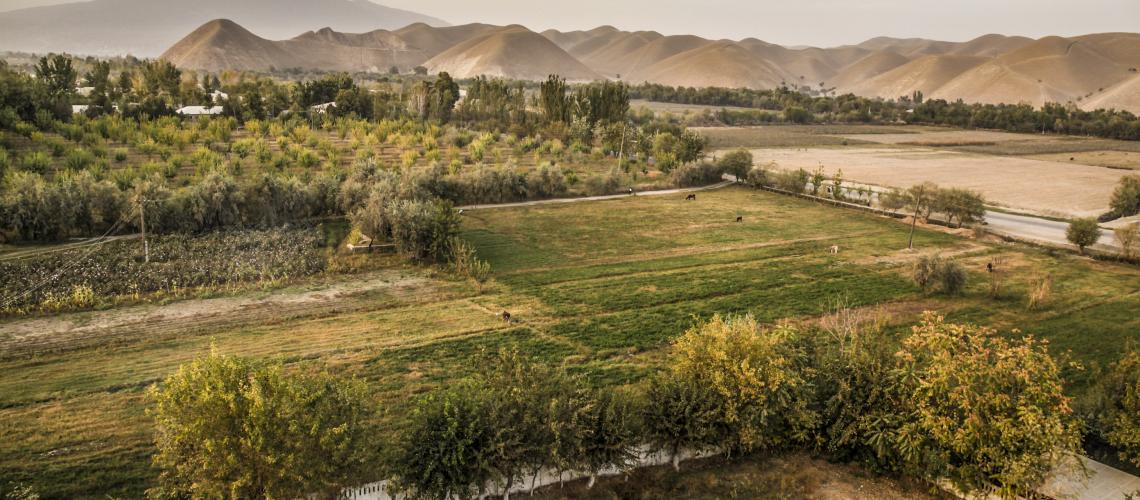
x=150 y=322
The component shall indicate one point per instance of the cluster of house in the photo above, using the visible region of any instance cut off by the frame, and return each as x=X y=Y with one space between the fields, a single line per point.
x=216 y=97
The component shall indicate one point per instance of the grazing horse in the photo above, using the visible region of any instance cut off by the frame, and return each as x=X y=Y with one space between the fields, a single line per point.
x=506 y=316
x=834 y=250
x=740 y=219
x=691 y=197
x=990 y=267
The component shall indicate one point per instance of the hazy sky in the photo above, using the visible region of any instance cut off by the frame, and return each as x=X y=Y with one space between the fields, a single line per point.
x=789 y=22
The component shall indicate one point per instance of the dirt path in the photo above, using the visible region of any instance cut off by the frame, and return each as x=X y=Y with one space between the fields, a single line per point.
x=728 y=182
x=26 y=337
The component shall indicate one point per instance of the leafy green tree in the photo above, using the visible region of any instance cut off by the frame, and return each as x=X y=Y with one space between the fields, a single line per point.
x=860 y=394
x=1083 y=233
x=57 y=74
x=554 y=99
x=986 y=412
x=680 y=415
x=444 y=452
x=1126 y=198
x=227 y=427
x=761 y=396
x=1116 y=417
x=423 y=230
x=609 y=433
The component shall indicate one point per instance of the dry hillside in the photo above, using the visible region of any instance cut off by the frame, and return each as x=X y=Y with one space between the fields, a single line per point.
x=511 y=52
x=1094 y=70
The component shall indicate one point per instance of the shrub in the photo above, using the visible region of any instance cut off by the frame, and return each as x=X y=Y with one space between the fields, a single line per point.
x=858 y=389
x=932 y=269
x=736 y=163
x=1116 y=418
x=1040 y=288
x=987 y=412
x=759 y=394
x=423 y=230
x=794 y=181
x=229 y=427
x=1127 y=236
x=952 y=278
x=696 y=174
x=36 y=161
x=1126 y=198
x=1083 y=233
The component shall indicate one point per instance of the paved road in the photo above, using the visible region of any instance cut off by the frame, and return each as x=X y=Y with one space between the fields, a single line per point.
x=1037 y=229
x=556 y=201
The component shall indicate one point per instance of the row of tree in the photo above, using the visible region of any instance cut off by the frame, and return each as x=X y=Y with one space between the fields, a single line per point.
x=950 y=402
x=793 y=106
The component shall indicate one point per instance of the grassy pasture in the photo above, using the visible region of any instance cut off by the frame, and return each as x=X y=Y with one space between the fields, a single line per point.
x=601 y=287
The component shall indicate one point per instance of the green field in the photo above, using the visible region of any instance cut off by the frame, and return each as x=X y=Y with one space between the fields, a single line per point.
x=600 y=286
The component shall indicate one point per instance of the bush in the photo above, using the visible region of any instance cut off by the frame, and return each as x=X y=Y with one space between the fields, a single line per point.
x=932 y=269
x=696 y=174
x=794 y=181
x=423 y=230
x=229 y=427
x=1126 y=198
x=1040 y=288
x=1127 y=236
x=986 y=412
x=736 y=163
x=1116 y=418
x=1083 y=233
x=759 y=394
x=952 y=278
x=36 y=162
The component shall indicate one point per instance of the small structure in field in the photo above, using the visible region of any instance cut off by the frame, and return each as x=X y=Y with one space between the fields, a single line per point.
x=200 y=110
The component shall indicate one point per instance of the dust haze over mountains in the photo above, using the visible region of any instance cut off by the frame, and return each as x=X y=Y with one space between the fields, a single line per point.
x=145 y=28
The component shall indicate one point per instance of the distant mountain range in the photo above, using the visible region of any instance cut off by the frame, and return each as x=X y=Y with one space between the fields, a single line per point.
x=146 y=27
x=1098 y=70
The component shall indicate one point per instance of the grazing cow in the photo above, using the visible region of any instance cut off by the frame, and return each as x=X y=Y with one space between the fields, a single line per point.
x=740 y=219
x=631 y=191
x=834 y=250
x=506 y=317
x=691 y=197
x=461 y=211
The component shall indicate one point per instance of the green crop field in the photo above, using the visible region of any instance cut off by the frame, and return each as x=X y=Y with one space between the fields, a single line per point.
x=602 y=287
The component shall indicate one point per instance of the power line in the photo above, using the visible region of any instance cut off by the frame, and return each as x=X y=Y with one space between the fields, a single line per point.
x=97 y=242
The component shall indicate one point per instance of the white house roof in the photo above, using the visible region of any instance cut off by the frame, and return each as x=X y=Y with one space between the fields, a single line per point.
x=199 y=110
x=79 y=108
x=323 y=108
x=84 y=91
x=218 y=95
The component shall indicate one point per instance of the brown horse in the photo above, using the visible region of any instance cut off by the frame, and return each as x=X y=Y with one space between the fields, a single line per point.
x=506 y=317
x=740 y=219
x=691 y=197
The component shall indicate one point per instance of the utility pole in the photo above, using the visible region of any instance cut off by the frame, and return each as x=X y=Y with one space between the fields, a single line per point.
x=142 y=217
x=621 y=149
x=914 y=221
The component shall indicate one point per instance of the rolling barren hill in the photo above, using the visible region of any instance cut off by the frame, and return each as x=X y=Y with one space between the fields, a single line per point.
x=1096 y=69
x=145 y=27
x=510 y=52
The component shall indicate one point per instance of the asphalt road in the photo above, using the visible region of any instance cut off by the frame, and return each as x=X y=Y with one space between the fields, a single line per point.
x=1038 y=229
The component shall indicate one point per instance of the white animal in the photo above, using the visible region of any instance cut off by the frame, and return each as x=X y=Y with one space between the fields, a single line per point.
x=835 y=250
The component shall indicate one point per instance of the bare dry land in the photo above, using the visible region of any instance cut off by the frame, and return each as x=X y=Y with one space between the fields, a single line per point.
x=1034 y=186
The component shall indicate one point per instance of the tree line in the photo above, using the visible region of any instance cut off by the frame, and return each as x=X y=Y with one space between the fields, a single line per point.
x=947 y=402
x=787 y=105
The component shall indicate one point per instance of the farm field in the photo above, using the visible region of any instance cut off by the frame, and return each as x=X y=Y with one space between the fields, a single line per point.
x=602 y=287
x=1033 y=186
x=1057 y=176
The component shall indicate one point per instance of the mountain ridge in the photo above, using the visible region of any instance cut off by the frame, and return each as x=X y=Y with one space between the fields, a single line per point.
x=988 y=69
